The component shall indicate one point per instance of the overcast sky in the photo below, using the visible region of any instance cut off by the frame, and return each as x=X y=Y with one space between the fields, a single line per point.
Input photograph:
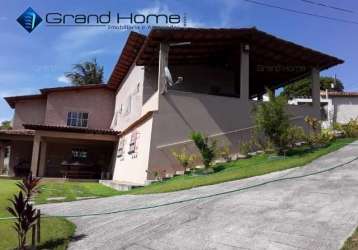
x=37 y=60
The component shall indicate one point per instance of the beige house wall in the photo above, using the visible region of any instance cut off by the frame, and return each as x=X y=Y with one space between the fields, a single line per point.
x=98 y=103
x=29 y=111
x=128 y=99
x=133 y=167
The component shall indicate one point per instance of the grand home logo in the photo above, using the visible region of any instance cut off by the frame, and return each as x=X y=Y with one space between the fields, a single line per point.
x=29 y=20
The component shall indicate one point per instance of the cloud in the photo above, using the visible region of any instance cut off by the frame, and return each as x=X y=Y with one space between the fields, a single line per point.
x=17 y=92
x=159 y=8
x=93 y=52
x=63 y=79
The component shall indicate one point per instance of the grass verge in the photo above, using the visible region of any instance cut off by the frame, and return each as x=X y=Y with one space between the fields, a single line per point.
x=257 y=165
x=352 y=242
x=72 y=191
x=55 y=232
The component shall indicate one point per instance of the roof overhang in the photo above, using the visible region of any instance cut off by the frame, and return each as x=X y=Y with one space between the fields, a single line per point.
x=274 y=62
x=71 y=129
x=11 y=100
x=126 y=59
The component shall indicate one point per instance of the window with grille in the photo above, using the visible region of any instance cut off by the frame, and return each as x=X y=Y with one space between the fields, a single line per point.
x=77 y=119
x=120 y=151
x=133 y=143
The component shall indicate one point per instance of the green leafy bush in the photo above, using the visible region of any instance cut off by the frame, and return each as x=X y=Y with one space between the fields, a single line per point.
x=272 y=120
x=185 y=159
x=292 y=136
x=224 y=152
x=245 y=148
x=207 y=148
x=351 y=128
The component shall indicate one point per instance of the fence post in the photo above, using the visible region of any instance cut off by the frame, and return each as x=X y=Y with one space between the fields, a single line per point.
x=33 y=238
x=38 y=226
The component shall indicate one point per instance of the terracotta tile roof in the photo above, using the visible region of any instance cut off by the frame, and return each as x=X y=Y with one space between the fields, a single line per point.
x=71 y=88
x=26 y=132
x=71 y=129
x=126 y=59
x=11 y=100
x=340 y=94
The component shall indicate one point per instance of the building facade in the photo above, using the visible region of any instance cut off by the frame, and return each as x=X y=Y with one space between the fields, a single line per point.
x=163 y=87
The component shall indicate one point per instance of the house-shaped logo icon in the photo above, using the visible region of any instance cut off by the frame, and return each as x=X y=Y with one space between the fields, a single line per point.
x=29 y=20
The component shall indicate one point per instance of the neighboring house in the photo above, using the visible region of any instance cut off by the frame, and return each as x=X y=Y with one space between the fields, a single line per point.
x=338 y=107
x=132 y=124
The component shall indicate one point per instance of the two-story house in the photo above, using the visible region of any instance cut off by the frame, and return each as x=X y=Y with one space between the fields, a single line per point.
x=164 y=86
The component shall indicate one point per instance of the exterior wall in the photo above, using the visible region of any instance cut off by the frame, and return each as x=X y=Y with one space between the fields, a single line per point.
x=346 y=108
x=98 y=103
x=29 y=111
x=128 y=100
x=227 y=120
x=133 y=167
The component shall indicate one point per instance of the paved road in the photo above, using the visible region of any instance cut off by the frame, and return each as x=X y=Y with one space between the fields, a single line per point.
x=315 y=212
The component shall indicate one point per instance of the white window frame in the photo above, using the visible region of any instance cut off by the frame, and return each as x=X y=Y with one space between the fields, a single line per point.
x=77 y=119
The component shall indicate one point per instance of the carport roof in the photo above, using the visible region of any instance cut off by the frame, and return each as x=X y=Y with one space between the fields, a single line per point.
x=71 y=129
x=274 y=62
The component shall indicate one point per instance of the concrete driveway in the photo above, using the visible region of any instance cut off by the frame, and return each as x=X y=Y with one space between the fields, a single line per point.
x=314 y=212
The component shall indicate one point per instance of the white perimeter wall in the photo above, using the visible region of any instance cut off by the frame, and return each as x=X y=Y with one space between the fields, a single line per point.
x=346 y=108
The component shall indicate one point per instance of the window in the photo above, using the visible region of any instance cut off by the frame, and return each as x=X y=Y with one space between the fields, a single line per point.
x=121 y=148
x=133 y=143
x=79 y=154
x=77 y=119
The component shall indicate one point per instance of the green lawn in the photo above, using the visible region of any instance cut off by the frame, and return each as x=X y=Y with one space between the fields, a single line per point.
x=257 y=165
x=55 y=232
x=72 y=190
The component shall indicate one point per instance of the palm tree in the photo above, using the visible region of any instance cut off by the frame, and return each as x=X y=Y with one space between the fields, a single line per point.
x=88 y=72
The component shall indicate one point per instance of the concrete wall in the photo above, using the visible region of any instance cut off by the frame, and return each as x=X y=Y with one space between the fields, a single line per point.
x=345 y=108
x=128 y=99
x=29 y=111
x=98 y=103
x=132 y=167
x=229 y=120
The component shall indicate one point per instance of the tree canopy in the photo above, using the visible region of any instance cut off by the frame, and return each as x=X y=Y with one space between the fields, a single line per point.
x=5 y=125
x=88 y=72
x=303 y=87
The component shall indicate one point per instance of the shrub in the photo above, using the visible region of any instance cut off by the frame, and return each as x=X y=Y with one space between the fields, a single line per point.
x=22 y=209
x=184 y=158
x=207 y=149
x=272 y=119
x=225 y=153
x=351 y=128
x=245 y=148
x=292 y=136
x=313 y=123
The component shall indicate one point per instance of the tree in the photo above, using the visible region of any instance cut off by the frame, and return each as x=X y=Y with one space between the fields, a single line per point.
x=303 y=87
x=88 y=72
x=5 y=125
x=272 y=119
